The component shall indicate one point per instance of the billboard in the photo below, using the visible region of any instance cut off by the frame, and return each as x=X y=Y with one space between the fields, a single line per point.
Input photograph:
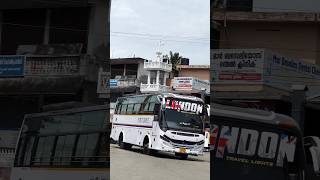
x=182 y=83
x=237 y=66
x=12 y=66
x=264 y=67
x=190 y=83
x=282 y=72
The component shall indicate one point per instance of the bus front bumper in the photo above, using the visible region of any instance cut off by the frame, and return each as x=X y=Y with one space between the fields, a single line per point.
x=173 y=148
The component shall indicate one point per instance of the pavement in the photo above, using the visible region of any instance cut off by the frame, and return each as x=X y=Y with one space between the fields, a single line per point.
x=133 y=165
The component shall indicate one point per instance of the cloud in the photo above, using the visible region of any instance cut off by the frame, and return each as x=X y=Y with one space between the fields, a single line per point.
x=185 y=25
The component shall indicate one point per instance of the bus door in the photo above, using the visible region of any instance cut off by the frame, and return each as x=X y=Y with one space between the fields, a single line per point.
x=252 y=150
x=155 y=123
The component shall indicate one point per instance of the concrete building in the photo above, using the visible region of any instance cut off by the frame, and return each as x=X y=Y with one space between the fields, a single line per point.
x=201 y=72
x=293 y=33
x=54 y=50
x=239 y=26
x=126 y=76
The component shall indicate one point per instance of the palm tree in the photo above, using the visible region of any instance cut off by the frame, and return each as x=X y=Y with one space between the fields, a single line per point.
x=174 y=59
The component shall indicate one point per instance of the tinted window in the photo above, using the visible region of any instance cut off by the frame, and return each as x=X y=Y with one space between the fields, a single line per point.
x=64 y=148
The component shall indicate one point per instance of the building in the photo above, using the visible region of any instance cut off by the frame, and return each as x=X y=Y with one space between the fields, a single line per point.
x=201 y=72
x=288 y=40
x=267 y=24
x=126 y=76
x=50 y=52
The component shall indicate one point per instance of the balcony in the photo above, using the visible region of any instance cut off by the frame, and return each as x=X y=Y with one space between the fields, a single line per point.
x=158 y=66
x=152 y=88
x=39 y=74
x=52 y=65
x=123 y=83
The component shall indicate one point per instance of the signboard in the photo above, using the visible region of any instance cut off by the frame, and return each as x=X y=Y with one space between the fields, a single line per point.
x=189 y=84
x=237 y=66
x=182 y=83
x=183 y=105
x=283 y=72
x=12 y=66
x=113 y=83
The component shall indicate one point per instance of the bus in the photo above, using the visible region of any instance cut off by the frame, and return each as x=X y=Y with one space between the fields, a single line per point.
x=63 y=144
x=254 y=144
x=160 y=122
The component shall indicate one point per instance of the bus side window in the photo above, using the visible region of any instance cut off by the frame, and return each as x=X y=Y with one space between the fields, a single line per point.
x=116 y=109
x=124 y=108
x=136 y=108
x=130 y=109
x=151 y=106
x=146 y=108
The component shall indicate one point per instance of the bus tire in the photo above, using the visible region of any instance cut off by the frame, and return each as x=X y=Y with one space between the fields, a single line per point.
x=146 y=149
x=182 y=156
x=120 y=141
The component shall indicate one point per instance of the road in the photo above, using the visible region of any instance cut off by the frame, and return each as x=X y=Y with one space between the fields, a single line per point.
x=133 y=165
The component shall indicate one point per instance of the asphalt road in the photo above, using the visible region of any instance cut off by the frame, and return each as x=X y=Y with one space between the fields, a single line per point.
x=133 y=165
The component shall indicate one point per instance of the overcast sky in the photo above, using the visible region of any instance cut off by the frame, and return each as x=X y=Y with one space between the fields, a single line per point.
x=139 y=26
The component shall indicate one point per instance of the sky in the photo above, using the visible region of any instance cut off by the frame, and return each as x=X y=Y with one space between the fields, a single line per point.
x=140 y=28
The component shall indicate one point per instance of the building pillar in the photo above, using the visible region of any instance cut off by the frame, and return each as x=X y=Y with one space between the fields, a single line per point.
x=158 y=75
x=149 y=77
x=124 y=70
x=98 y=26
x=46 y=36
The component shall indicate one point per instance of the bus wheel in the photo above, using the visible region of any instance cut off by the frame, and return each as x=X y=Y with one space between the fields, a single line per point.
x=146 y=149
x=120 y=142
x=182 y=156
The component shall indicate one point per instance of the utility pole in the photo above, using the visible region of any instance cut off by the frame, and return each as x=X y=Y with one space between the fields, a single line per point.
x=298 y=101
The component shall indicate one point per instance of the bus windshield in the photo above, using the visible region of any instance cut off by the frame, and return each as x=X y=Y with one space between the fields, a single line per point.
x=183 y=121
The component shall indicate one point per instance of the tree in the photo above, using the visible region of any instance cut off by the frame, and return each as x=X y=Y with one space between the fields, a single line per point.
x=174 y=59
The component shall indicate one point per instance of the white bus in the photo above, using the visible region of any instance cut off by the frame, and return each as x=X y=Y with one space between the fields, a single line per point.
x=160 y=122
x=63 y=145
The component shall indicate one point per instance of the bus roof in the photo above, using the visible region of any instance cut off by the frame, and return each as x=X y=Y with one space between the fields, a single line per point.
x=250 y=114
x=68 y=110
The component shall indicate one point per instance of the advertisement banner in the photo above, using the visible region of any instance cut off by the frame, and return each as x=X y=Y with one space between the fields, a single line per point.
x=237 y=66
x=182 y=83
x=12 y=66
x=282 y=72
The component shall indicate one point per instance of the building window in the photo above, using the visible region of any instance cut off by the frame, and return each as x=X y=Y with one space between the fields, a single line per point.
x=117 y=70
x=153 y=77
x=69 y=25
x=21 y=27
x=161 y=78
x=132 y=70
